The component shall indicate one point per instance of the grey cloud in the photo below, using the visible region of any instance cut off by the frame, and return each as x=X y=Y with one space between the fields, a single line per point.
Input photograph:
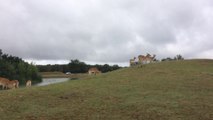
x=105 y=31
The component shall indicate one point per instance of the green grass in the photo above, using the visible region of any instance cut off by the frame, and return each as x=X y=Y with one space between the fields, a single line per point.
x=178 y=90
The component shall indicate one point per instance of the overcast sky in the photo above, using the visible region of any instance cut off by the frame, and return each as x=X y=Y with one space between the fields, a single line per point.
x=105 y=31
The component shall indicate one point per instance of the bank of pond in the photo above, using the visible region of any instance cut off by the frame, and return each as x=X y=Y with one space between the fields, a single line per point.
x=47 y=81
x=50 y=78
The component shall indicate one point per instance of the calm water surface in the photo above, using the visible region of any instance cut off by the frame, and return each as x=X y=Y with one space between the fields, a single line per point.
x=47 y=81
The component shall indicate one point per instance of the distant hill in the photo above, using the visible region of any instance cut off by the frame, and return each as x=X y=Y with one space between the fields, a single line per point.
x=174 y=90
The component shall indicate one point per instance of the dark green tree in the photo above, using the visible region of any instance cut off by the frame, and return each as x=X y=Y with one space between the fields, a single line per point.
x=0 y=54
x=12 y=67
x=178 y=57
x=75 y=66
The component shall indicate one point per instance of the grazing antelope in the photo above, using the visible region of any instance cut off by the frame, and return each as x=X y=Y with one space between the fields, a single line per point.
x=4 y=82
x=28 y=83
x=11 y=84
x=16 y=83
x=94 y=71
x=132 y=62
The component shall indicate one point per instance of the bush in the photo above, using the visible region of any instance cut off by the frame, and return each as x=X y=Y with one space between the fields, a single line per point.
x=14 y=68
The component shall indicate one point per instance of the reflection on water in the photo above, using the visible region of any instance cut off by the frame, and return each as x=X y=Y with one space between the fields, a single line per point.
x=47 y=81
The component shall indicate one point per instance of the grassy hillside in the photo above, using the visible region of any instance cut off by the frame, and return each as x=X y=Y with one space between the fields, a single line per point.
x=179 y=90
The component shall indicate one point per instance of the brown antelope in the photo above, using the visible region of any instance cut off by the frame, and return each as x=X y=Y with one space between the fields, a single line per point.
x=146 y=59
x=16 y=83
x=94 y=71
x=132 y=62
x=4 y=82
x=11 y=84
x=141 y=59
x=150 y=58
x=7 y=84
x=28 y=83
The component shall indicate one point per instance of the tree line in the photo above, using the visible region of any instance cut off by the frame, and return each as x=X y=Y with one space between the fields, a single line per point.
x=177 y=57
x=14 y=68
x=76 y=66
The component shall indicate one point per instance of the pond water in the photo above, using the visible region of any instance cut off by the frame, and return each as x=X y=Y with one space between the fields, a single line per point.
x=47 y=81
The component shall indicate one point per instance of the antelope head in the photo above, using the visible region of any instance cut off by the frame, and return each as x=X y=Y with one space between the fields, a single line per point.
x=148 y=55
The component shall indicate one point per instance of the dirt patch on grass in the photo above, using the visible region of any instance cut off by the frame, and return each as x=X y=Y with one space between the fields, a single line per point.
x=70 y=96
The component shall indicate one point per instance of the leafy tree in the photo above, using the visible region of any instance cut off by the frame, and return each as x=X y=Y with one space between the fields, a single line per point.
x=167 y=59
x=178 y=57
x=75 y=66
x=12 y=67
x=106 y=68
x=21 y=70
x=115 y=67
x=7 y=70
x=0 y=54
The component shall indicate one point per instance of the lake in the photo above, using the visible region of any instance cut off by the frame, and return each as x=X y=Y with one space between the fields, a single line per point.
x=47 y=81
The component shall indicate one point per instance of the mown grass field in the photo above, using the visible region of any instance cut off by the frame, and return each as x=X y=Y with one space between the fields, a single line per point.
x=178 y=90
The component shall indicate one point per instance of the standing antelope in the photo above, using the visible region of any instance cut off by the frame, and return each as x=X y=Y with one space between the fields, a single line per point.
x=94 y=71
x=8 y=84
x=132 y=62
x=142 y=59
x=146 y=59
x=28 y=83
x=11 y=84
x=150 y=58
x=4 y=82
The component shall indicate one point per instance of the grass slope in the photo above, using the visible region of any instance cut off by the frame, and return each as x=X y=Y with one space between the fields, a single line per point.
x=179 y=90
